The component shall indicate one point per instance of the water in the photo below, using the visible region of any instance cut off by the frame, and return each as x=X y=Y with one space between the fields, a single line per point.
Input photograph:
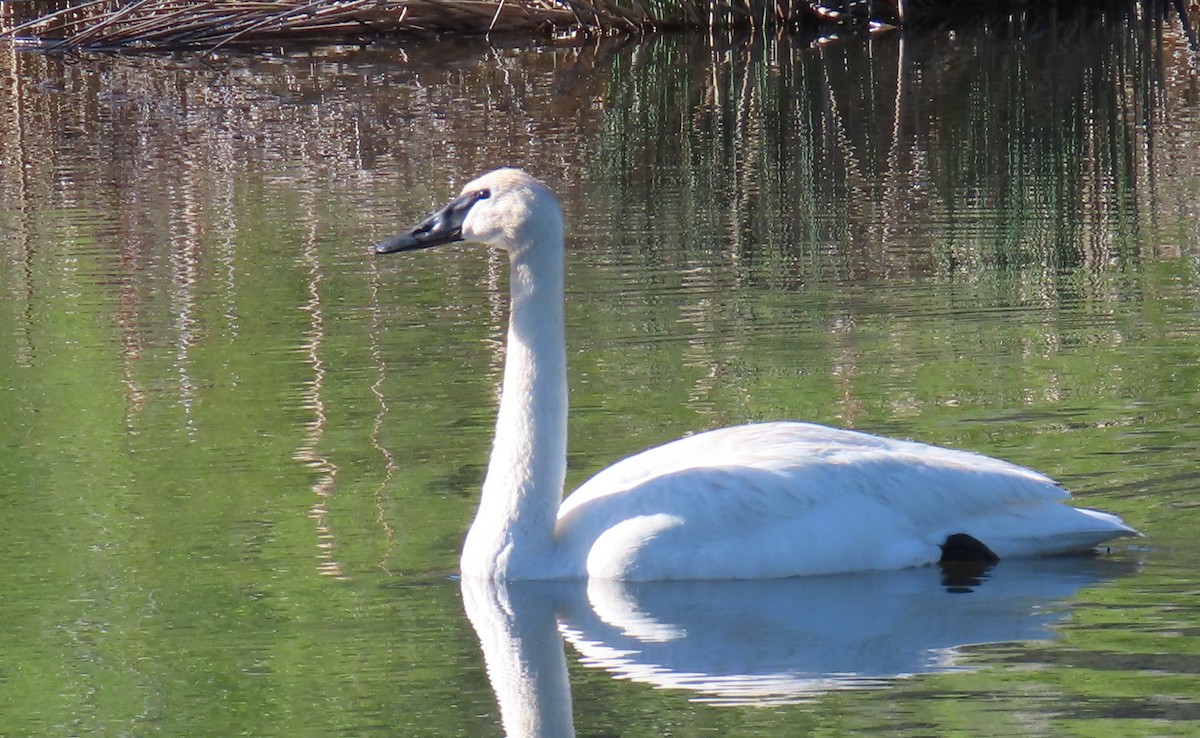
x=239 y=452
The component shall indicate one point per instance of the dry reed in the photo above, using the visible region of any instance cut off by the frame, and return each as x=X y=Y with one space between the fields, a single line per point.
x=215 y=23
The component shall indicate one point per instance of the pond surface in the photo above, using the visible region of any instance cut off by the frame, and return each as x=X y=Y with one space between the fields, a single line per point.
x=239 y=453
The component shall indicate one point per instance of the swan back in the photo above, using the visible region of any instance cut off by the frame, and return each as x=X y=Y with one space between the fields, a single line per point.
x=788 y=499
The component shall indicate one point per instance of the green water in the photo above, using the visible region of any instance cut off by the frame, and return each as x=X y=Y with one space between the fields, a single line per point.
x=239 y=453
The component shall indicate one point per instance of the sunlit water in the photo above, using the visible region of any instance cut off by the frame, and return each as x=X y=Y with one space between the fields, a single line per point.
x=239 y=453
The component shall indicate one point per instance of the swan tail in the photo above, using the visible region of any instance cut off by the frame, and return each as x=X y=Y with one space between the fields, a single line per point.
x=1048 y=530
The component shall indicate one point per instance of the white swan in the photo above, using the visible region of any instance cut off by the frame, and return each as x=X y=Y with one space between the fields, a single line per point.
x=751 y=501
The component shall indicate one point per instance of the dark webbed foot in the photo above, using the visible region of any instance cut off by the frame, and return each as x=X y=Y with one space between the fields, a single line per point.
x=960 y=547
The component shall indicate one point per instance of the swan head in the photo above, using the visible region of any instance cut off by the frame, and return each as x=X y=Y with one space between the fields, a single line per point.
x=505 y=208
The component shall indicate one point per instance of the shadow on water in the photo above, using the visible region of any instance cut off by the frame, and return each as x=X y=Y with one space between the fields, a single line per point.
x=759 y=642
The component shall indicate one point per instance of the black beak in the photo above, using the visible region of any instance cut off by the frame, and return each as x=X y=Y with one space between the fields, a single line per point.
x=444 y=226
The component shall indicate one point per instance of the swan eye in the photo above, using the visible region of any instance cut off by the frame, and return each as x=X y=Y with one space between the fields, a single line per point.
x=464 y=203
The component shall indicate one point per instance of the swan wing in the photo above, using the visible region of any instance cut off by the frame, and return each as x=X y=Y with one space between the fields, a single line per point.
x=787 y=499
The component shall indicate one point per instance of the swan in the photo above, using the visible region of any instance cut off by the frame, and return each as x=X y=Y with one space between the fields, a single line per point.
x=766 y=500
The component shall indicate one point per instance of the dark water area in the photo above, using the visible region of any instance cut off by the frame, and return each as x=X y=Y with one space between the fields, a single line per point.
x=239 y=453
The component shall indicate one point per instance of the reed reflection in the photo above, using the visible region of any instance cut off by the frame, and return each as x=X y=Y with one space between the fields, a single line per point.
x=906 y=155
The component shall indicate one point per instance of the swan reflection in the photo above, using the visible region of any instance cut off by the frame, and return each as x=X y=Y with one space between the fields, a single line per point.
x=757 y=642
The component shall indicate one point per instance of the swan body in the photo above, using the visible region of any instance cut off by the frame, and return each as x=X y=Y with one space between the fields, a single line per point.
x=747 y=502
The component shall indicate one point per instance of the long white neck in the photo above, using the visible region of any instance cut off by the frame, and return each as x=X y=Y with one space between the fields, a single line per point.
x=513 y=533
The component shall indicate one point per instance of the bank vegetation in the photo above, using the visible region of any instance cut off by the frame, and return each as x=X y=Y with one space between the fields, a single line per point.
x=78 y=24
